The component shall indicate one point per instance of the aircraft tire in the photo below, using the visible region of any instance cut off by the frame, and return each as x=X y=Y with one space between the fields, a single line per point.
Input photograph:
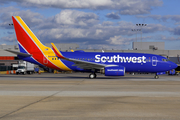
x=92 y=76
x=156 y=76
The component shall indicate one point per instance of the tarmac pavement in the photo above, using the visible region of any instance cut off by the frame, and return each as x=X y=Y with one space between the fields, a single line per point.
x=76 y=97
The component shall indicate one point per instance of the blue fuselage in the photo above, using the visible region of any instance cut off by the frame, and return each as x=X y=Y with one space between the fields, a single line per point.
x=133 y=62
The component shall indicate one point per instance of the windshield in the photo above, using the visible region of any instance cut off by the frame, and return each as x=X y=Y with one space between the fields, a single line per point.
x=165 y=60
x=21 y=67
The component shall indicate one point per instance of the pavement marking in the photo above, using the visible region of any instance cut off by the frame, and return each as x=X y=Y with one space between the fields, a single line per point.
x=89 y=93
x=26 y=93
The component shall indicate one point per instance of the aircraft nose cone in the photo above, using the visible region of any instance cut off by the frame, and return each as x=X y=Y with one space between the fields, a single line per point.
x=174 y=65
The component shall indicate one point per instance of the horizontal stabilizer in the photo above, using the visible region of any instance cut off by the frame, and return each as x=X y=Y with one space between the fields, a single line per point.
x=19 y=53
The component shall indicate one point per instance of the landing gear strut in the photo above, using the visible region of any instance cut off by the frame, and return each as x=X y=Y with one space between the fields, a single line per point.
x=92 y=75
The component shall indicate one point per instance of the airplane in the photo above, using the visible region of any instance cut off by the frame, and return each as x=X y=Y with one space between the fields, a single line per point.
x=107 y=63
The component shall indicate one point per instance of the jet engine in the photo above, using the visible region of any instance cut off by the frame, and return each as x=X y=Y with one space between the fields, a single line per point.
x=113 y=71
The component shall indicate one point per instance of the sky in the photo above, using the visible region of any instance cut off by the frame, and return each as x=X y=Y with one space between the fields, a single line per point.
x=95 y=24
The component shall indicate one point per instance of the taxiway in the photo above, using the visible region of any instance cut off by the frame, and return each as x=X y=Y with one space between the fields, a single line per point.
x=75 y=96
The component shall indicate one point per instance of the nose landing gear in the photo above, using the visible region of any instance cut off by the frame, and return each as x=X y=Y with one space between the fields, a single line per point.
x=156 y=76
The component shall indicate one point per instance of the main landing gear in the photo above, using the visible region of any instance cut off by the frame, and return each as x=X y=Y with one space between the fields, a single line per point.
x=92 y=75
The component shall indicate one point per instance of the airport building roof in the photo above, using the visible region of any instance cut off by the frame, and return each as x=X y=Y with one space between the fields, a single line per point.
x=148 y=45
x=63 y=46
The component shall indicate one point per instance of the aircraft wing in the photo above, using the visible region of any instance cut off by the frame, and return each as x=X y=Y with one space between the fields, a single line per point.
x=88 y=65
x=19 y=53
x=80 y=63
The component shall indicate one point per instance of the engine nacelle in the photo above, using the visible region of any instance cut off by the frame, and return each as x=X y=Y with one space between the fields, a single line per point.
x=114 y=71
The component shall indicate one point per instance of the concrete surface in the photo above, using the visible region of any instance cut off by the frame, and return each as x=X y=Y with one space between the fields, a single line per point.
x=76 y=97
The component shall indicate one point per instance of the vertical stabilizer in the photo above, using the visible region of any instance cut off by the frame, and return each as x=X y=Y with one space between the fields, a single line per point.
x=28 y=42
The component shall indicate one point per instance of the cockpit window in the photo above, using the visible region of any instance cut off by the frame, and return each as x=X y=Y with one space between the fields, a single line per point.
x=165 y=60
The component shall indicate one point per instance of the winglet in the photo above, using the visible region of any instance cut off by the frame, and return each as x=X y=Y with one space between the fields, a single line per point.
x=57 y=52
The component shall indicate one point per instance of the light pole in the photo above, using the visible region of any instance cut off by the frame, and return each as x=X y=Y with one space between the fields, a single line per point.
x=141 y=25
x=135 y=30
x=13 y=33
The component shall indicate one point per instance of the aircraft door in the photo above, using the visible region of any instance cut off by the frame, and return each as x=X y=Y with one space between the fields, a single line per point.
x=45 y=60
x=154 y=61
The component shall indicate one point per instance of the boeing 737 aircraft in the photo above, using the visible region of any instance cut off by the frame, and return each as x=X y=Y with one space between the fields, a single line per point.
x=110 y=64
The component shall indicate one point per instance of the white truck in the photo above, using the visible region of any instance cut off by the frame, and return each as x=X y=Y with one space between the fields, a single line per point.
x=25 y=67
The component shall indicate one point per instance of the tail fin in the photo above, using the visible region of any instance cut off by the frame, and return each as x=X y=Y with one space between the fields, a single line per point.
x=28 y=42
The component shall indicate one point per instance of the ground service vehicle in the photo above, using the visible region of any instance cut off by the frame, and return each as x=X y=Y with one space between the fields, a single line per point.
x=25 y=68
